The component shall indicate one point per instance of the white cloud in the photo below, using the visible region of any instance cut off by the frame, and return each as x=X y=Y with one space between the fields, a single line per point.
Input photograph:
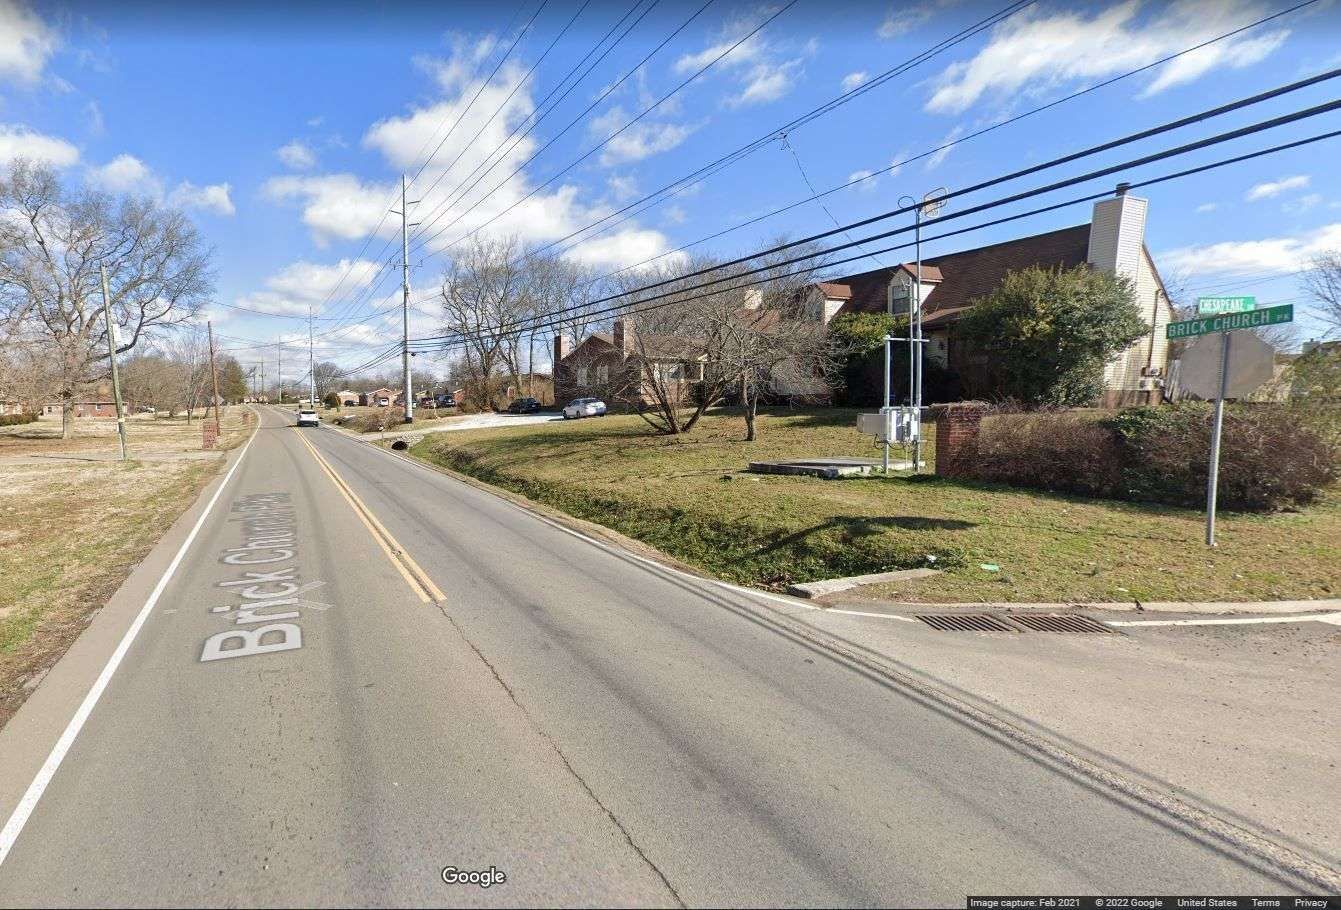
x=765 y=70
x=903 y=18
x=641 y=140
x=125 y=174
x=1207 y=207
x=1273 y=188
x=1253 y=257
x=853 y=80
x=26 y=42
x=302 y=284
x=17 y=141
x=128 y=174
x=939 y=157
x=867 y=184
x=214 y=198
x=93 y=113
x=297 y=155
x=767 y=82
x=1037 y=50
x=622 y=186
x=346 y=206
x=1302 y=204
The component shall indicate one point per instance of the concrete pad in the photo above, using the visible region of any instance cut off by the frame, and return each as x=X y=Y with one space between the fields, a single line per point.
x=834 y=585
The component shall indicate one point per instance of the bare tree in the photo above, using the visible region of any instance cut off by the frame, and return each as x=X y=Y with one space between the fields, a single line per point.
x=189 y=348
x=483 y=303
x=1323 y=281
x=52 y=243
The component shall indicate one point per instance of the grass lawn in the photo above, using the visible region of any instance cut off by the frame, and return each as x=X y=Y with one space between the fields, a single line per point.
x=691 y=498
x=73 y=526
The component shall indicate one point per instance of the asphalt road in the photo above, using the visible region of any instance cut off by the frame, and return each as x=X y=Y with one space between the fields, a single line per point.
x=600 y=730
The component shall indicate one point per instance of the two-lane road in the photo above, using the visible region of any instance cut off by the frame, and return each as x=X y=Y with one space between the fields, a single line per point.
x=364 y=671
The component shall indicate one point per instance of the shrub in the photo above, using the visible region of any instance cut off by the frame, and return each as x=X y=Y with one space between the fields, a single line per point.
x=1268 y=458
x=1049 y=450
x=331 y=401
x=11 y=420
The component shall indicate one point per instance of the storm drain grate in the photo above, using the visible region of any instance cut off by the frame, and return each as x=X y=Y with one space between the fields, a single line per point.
x=965 y=622
x=1053 y=622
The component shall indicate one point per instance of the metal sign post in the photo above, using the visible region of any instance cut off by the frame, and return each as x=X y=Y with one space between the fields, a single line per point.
x=1237 y=377
x=1213 y=473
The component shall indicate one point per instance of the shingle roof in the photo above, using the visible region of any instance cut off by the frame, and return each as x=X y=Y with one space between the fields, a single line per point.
x=834 y=291
x=971 y=274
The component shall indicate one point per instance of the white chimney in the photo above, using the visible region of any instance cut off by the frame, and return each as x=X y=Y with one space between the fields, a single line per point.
x=1117 y=233
x=754 y=298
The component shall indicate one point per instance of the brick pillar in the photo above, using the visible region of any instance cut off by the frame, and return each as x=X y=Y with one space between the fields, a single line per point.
x=957 y=427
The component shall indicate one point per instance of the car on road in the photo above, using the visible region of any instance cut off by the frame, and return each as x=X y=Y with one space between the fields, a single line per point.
x=524 y=406
x=583 y=407
x=309 y=418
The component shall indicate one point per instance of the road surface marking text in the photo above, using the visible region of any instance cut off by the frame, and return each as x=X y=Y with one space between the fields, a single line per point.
x=269 y=536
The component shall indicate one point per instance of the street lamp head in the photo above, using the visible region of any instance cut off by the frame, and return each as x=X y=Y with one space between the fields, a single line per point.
x=933 y=202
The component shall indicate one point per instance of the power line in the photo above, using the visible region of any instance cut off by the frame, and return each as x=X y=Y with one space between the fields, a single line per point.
x=448 y=344
x=460 y=117
x=600 y=145
x=1093 y=175
x=908 y=160
x=458 y=193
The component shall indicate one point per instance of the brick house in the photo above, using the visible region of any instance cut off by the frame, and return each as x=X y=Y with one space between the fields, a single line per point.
x=348 y=397
x=1114 y=241
x=613 y=367
x=379 y=398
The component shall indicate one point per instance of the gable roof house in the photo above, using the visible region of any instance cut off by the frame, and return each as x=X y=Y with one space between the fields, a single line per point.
x=1113 y=241
x=612 y=366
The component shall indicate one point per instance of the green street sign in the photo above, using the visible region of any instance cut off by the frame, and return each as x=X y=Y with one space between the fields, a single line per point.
x=1214 y=306
x=1229 y=322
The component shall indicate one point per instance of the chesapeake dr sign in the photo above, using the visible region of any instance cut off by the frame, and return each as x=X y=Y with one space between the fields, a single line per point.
x=1213 y=306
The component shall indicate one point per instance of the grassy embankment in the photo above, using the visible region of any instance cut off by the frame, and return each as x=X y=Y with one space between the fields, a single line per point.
x=691 y=498
x=72 y=525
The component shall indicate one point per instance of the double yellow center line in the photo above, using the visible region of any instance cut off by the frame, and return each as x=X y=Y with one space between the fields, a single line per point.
x=415 y=576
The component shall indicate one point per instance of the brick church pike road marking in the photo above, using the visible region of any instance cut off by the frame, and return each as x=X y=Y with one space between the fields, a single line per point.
x=415 y=577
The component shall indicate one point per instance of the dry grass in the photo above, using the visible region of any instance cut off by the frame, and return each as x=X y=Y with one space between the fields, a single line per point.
x=691 y=498
x=71 y=530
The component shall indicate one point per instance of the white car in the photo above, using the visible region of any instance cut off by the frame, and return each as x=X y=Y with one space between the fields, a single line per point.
x=583 y=407
x=309 y=418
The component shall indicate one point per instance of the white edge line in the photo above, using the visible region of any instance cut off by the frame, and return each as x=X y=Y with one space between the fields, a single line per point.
x=1334 y=618
x=19 y=817
x=877 y=615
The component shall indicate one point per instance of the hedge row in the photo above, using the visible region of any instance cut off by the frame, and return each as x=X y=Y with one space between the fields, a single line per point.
x=1269 y=459
x=10 y=420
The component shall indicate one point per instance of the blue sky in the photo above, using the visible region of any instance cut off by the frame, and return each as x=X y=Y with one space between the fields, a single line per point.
x=283 y=130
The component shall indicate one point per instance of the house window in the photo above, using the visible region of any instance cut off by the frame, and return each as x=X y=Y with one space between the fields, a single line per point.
x=582 y=376
x=602 y=373
x=671 y=372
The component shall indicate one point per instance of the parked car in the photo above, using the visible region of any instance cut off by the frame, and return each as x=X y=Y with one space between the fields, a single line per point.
x=583 y=407
x=447 y=401
x=524 y=406
x=309 y=418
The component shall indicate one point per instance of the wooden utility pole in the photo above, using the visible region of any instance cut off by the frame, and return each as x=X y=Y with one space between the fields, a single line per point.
x=214 y=374
x=111 y=353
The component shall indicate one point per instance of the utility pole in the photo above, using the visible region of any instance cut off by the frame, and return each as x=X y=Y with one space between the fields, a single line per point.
x=311 y=358
x=214 y=373
x=407 y=390
x=111 y=353
x=279 y=355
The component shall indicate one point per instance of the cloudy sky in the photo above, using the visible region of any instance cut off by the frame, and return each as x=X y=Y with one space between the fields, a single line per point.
x=284 y=129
